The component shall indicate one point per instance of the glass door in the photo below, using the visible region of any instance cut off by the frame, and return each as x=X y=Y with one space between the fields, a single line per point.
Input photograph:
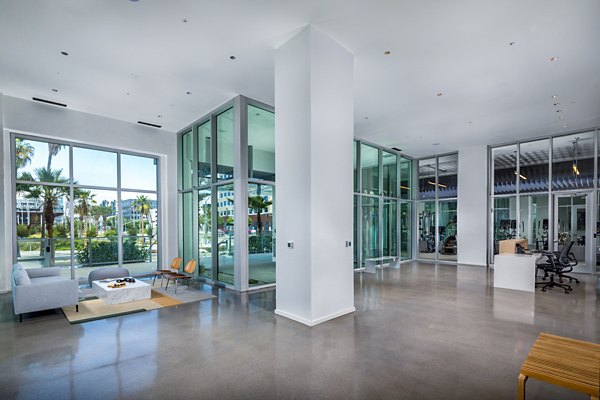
x=572 y=214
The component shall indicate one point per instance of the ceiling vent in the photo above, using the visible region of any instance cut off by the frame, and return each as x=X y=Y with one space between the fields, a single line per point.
x=54 y=103
x=149 y=124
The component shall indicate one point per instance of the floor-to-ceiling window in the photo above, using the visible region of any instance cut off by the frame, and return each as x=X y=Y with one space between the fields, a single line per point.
x=232 y=205
x=80 y=207
x=437 y=214
x=382 y=203
x=544 y=190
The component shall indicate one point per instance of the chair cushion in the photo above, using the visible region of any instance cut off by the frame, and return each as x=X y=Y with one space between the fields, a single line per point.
x=21 y=276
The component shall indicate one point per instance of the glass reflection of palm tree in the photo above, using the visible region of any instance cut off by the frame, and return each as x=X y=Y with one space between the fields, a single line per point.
x=24 y=151
x=258 y=204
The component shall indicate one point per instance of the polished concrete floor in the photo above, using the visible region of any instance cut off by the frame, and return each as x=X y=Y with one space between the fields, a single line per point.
x=422 y=331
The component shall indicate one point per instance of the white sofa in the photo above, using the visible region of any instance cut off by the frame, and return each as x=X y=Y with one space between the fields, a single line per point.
x=36 y=289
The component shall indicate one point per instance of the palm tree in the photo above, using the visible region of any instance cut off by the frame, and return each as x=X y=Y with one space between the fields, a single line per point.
x=258 y=204
x=24 y=151
x=142 y=205
x=53 y=149
x=85 y=201
x=49 y=196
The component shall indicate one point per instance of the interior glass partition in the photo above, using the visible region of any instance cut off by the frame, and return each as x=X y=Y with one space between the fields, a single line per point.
x=447 y=230
x=382 y=203
x=505 y=169
x=221 y=226
x=437 y=212
x=538 y=177
x=369 y=159
x=427 y=237
x=390 y=228
x=370 y=228
x=573 y=161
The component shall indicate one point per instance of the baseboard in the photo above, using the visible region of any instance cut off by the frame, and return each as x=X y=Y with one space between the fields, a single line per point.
x=316 y=321
x=472 y=264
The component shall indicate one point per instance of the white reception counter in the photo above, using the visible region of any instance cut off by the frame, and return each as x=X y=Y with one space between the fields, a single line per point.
x=515 y=271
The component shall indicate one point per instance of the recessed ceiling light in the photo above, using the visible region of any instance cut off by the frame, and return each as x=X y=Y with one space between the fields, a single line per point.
x=557 y=103
x=387 y=53
x=564 y=126
x=366 y=117
x=560 y=117
x=159 y=116
x=127 y=93
x=257 y=114
x=185 y=21
x=188 y=92
x=470 y=122
x=64 y=53
x=554 y=96
x=232 y=57
x=435 y=144
x=553 y=58
x=558 y=110
x=512 y=43
x=55 y=90
x=439 y=94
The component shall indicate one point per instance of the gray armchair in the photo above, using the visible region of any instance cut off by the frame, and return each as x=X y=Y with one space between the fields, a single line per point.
x=37 y=289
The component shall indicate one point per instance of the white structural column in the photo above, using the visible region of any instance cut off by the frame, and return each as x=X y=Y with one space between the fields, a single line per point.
x=472 y=205
x=314 y=128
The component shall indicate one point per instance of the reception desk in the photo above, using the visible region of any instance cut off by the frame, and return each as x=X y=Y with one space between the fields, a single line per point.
x=515 y=271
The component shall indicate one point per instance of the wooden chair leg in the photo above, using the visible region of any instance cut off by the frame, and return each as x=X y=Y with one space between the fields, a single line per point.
x=167 y=286
x=154 y=281
x=76 y=307
x=522 y=381
x=175 y=285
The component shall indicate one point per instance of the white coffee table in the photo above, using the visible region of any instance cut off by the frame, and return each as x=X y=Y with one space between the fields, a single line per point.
x=130 y=292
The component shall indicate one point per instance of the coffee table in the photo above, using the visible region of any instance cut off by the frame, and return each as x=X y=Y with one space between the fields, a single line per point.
x=130 y=292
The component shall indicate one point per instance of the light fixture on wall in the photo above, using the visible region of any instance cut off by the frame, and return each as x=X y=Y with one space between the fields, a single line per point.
x=438 y=184
x=575 y=148
x=521 y=176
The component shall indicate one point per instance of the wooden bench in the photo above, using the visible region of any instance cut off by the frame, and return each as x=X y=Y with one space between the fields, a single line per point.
x=566 y=362
x=372 y=263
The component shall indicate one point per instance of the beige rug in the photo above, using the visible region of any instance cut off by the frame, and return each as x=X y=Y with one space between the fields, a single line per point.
x=94 y=309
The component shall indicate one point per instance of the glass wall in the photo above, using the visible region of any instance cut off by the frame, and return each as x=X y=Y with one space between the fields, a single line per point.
x=221 y=222
x=369 y=165
x=537 y=175
x=382 y=203
x=261 y=234
x=427 y=218
x=72 y=214
x=437 y=215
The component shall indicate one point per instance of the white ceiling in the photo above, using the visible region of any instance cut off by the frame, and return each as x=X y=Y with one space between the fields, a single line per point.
x=492 y=92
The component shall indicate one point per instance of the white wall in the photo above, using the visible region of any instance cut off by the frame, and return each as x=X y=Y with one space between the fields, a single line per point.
x=313 y=157
x=472 y=205
x=34 y=118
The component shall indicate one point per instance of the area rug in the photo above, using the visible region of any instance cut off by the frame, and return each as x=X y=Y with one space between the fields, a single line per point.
x=94 y=309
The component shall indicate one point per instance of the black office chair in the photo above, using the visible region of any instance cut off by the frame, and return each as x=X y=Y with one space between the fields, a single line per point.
x=555 y=264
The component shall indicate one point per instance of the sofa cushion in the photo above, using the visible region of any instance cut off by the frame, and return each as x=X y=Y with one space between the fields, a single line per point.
x=107 y=273
x=21 y=277
x=47 y=279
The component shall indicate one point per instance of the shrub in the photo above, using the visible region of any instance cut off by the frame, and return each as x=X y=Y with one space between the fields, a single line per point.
x=60 y=231
x=260 y=244
x=92 y=231
x=104 y=252
x=22 y=231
